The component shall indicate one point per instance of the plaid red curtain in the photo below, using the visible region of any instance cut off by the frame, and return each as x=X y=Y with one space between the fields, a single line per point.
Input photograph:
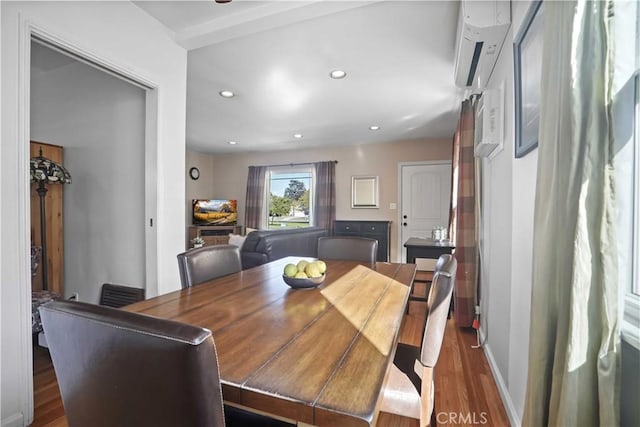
x=253 y=217
x=463 y=224
x=325 y=203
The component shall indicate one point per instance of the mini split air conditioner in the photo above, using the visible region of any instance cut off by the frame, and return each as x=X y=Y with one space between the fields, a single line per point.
x=489 y=123
x=482 y=28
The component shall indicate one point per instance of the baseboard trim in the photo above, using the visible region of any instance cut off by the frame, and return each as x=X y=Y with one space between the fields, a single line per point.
x=512 y=414
x=15 y=420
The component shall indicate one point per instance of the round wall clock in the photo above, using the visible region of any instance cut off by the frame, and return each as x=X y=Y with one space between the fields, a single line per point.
x=194 y=173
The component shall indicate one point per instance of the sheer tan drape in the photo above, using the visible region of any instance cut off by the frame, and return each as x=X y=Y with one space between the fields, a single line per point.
x=254 y=204
x=463 y=224
x=574 y=349
x=325 y=200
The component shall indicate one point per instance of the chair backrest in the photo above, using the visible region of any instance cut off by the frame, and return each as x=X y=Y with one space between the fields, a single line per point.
x=348 y=248
x=438 y=302
x=207 y=263
x=118 y=295
x=116 y=368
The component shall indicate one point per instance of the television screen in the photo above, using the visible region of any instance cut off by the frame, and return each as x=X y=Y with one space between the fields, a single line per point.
x=215 y=212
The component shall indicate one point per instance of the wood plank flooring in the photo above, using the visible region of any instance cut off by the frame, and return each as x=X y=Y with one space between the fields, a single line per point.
x=465 y=391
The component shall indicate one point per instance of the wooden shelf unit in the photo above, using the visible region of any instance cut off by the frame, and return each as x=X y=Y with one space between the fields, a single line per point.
x=213 y=234
x=53 y=206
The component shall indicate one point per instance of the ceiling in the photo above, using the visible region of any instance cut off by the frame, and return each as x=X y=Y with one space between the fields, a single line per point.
x=276 y=57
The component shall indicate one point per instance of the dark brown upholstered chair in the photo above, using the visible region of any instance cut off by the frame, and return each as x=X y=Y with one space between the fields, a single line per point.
x=207 y=263
x=118 y=295
x=409 y=387
x=116 y=368
x=348 y=248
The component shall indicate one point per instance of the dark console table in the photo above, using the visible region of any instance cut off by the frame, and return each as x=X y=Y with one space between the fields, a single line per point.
x=379 y=230
x=427 y=248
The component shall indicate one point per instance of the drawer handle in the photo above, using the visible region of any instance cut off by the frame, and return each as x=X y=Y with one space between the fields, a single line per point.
x=348 y=228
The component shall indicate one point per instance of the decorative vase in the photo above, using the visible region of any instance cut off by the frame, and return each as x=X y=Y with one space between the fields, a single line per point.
x=198 y=245
x=439 y=234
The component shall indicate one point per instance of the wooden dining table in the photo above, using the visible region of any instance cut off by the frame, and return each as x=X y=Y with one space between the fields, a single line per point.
x=314 y=356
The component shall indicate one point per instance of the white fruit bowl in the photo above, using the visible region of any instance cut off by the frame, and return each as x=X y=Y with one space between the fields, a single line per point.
x=311 y=282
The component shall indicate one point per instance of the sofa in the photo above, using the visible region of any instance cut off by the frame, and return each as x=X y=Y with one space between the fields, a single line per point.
x=263 y=246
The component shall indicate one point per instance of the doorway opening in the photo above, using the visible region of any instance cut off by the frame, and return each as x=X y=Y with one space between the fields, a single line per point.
x=104 y=119
x=425 y=195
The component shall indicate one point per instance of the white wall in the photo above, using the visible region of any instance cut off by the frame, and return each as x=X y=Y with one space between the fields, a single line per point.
x=3 y=328
x=230 y=174
x=99 y=120
x=201 y=188
x=509 y=190
x=121 y=34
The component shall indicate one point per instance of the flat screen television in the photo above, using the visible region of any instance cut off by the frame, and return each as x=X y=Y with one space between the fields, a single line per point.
x=215 y=212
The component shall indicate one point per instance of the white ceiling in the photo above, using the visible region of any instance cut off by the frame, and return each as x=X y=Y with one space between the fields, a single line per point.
x=277 y=55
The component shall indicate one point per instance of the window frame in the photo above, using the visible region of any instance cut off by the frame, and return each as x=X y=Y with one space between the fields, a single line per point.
x=630 y=328
x=635 y=283
x=630 y=322
x=290 y=170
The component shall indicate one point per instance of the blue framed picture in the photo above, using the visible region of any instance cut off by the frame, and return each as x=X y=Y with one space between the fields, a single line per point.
x=527 y=54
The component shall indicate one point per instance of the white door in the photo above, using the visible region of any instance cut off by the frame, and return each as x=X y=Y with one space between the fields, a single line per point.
x=425 y=189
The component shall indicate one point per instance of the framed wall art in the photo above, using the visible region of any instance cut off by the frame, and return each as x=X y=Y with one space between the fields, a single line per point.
x=364 y=192
x=527 y=54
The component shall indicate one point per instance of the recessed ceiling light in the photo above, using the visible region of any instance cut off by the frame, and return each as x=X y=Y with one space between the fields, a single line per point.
x=374 y=127
x=232 y=143
x=338 y=74
x=297 y=135
x=226 y=94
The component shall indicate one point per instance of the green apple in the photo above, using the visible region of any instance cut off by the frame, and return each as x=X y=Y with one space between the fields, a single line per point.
x=302 y=264
x=301 y=275
x=322 y=266
x=312 y=270
x=290 y=270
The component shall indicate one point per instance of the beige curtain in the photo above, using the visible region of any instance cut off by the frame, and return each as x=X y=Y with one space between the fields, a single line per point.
x=574 y=344
x=463 y=224
x=255 y=197
x=325 y=200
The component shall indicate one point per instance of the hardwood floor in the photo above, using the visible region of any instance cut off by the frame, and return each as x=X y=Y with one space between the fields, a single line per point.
x=465 y=392
x=48 y=410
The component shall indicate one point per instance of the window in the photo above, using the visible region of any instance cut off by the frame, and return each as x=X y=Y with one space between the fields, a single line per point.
x=626 y=119
x=290 y=197
x=631 y=315
x=635 y=289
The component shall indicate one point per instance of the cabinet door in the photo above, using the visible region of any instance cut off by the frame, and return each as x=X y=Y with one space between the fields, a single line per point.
x=347 y=227
x=215 y=240
x=383 y=247
x=380 y=232
x=374 y=228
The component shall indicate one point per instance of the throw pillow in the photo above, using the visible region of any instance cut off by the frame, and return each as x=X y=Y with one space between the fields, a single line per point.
x=237 y=240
